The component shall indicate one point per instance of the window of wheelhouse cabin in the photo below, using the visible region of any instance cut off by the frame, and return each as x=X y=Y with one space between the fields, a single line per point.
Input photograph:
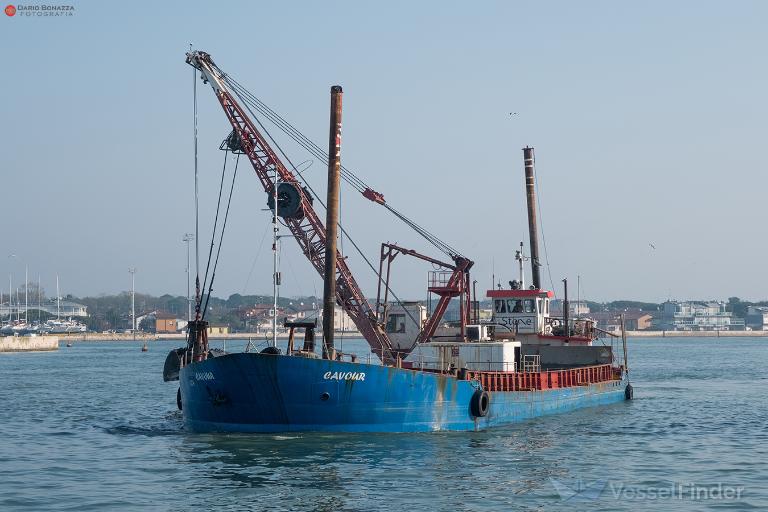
x=529 y=306
x=515 y=306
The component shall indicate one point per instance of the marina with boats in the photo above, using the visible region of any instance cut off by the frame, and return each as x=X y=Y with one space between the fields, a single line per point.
x=23 y=325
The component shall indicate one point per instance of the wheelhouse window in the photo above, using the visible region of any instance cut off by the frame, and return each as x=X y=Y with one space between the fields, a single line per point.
x=515 y=305
x=500 y=306
x=530 y=305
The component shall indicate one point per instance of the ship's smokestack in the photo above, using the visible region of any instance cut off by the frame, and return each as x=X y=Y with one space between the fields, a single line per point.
x=530 y=193
x=331 y=222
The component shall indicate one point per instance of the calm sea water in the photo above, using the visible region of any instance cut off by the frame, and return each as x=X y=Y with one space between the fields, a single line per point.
x=93 y=427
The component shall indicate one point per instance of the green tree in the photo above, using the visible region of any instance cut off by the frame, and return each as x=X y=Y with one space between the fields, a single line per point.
x=737 y=307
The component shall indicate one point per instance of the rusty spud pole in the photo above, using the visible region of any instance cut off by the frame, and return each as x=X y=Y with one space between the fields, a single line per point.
x=530 y=193
x=331 y=222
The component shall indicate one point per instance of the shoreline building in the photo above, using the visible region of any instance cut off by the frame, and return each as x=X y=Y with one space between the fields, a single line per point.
x=757 y=318
x=697 y=316
x=634 y=320
x=166 y=323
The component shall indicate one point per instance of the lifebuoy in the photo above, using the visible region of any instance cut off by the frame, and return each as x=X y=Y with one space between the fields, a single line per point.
x=178 y=398
x=479 y=403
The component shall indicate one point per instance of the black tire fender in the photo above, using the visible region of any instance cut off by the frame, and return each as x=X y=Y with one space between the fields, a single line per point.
x=480 y=403
x=178 y=398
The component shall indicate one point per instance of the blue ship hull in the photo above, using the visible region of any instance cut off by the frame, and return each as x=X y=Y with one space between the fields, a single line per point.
x=249 y=392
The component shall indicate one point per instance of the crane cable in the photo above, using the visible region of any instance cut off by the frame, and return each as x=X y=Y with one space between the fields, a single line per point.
x=347 y=175
x=358 y=184
x=221 y=236
x=215 y=223
x=541 y=223
x=197 y=201
x=320 y=200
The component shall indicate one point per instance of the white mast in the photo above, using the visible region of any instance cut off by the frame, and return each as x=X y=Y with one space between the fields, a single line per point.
x=520 y=258
x=578 y=295
x=10 y=298
x=275 y=273
x=58 y=299
x=26 y=294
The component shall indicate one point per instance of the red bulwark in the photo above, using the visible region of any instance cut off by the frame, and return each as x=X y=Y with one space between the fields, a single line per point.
x=548 y=379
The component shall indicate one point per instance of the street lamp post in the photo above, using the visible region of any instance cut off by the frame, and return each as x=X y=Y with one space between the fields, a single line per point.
x=132 y=271
x=188 y=237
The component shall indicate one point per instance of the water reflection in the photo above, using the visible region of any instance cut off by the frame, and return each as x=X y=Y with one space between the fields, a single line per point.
x=353 y=471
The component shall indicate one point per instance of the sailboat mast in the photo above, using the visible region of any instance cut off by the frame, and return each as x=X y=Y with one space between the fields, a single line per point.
x=331 y=222
x=58 y=299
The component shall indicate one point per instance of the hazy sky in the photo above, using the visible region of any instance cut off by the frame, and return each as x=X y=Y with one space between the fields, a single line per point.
x=648 y=119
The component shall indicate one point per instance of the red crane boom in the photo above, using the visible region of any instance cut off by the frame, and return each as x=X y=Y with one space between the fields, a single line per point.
x=306 y=226
x=309 y=231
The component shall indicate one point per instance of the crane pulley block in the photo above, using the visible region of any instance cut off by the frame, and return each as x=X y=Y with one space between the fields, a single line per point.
x=288 y=200
x=233 y=143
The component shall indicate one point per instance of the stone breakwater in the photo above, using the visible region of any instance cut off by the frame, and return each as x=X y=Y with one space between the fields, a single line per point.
x=255 y=336
x=29 y=343
x=696 y=334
